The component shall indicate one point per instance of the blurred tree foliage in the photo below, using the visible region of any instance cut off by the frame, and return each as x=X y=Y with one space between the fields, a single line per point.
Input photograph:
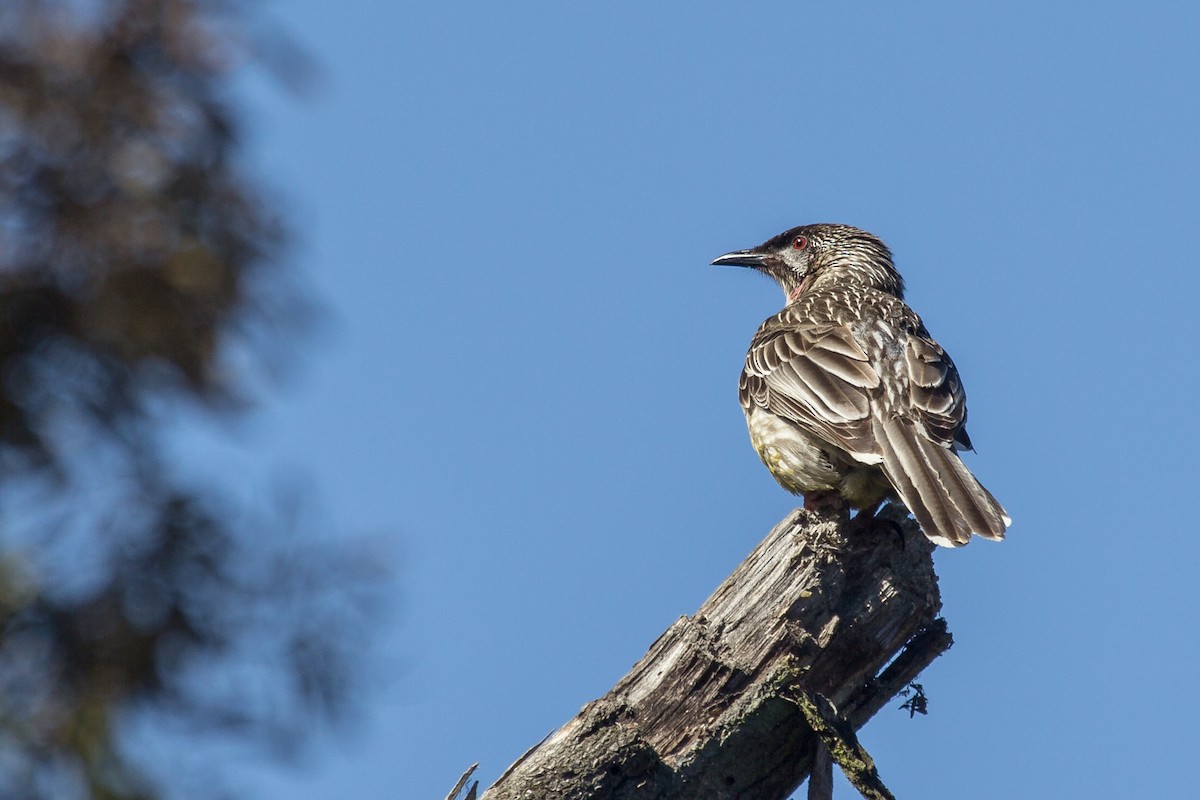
x=139 y=264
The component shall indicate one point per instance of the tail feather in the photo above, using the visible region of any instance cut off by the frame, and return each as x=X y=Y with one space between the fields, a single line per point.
x=985 y=515
x=947 y=500
x=909 y=470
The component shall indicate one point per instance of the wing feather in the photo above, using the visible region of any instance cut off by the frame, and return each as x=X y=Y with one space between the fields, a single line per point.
x=817 y=377
x=937 y=401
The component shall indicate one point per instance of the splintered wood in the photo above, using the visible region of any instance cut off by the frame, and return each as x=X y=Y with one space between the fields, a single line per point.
x=819 y=609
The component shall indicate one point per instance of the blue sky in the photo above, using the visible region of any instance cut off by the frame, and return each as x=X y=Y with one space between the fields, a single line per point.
x=527 y=381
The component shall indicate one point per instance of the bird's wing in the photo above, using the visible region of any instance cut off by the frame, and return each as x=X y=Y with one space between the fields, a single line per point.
x=918 y=443
x=936 y=400
x=817 y=377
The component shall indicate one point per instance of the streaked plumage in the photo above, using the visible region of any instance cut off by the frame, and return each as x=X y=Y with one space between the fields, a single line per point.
x=845 y=391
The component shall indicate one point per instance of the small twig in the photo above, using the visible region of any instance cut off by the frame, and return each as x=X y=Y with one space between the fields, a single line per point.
x=916 y=701
x=458 y=787
x=838 y=736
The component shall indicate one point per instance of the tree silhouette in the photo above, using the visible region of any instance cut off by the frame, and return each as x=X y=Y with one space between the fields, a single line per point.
x=139 y=266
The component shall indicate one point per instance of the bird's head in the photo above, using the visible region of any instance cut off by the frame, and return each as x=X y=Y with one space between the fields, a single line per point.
x=824 y=254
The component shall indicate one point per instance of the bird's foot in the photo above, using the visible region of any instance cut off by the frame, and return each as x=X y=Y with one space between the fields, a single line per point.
x=824 y=502
x=866 y=520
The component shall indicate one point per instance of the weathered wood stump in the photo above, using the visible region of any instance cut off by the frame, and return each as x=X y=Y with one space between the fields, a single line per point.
x=728 y=703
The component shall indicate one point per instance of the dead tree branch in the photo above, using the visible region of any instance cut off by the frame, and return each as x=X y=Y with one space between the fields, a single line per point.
x=816 y=630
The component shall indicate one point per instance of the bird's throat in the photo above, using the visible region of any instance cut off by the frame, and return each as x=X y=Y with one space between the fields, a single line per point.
x=800 y=289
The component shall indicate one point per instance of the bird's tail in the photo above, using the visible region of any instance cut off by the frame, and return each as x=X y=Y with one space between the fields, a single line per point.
x=939 y=490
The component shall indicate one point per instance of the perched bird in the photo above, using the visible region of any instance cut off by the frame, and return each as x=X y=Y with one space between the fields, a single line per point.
x=845 y=391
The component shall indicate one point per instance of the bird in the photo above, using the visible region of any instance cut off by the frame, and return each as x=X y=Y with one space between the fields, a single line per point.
x=847 y=394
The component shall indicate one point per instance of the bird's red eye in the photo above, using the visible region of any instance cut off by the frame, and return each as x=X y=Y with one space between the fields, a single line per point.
x=800 y=242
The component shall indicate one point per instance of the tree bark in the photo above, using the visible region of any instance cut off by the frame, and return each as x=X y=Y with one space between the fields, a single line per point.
x=716 y=710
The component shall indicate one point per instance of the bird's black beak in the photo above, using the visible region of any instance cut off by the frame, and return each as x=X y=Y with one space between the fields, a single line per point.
x=741 y=258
